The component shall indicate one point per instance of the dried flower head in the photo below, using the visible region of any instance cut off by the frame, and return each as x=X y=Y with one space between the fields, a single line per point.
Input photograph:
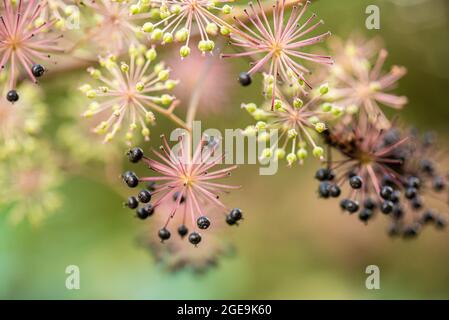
x=189 y=180
x=21 y=122
x=25 y=39
x=29 y=187
x=177 y=20
x=376 y=169
x=366 y=86
x=115 y=28
x=277 y=48
x=129 y=93
x=296 y=123
x=178 y=254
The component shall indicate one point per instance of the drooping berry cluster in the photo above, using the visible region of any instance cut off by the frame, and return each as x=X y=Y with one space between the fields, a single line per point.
x=380 y=170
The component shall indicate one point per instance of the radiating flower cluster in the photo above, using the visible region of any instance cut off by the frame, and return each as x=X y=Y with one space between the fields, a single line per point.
x=185 y=182
x=19 y=123
x=65 y=12
x=376 y=167
x=129 y=93
x=357 y=83
x=29 y=186
x=178 y=19
x=295 y=124
x=25 y=40
x=178 y=254
x=115 y=28
x=278 y=47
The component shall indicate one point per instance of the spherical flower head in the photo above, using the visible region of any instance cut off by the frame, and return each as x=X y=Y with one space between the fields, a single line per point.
x=29 y=186
x=366 y=86
x=297 y=122
x=177 y=19
x=115 y=27
x=277 y=47
x=187 y=182
x=21 y=122
x=178 y=254
x=129 y=93
x=25 y=41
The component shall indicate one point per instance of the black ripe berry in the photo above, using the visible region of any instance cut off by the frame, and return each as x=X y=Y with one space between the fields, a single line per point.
x=182 y=231
x=229 y=220
x=334 y=191
x=411 y=193
x=142 y=213
x=386 y=192
x=386 y=207
x=355 y=182
x=411 y=231
x=194 y=238
x=245 y=79
x=203 y=222
x=416 y=203
x=130 y=179
x=236 y=214
x=37 y=70
x=144 y=196
x=369 y=204
x=414 y=182
x=323 y=189
x=343 y=203
x=365 y=214
x=135 y=155
x=322 y=174
x=132 y=203
x=12 y=96
x=438 y=184
x=164 y=234
x=352 y=206
x=145 y=212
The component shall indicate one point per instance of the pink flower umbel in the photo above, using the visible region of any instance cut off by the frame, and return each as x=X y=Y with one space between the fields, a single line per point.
x=129 y=92
x=25 y=39
x=187 y=180
x=116 y=28
x=278 y=47
x=179 y=17
x=376 y=167
x=366 y=87
x=296 y=123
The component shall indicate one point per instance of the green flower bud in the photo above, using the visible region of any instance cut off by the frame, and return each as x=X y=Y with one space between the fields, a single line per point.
x=225 y=31
x=148 y=27
x=302 y=154
x=291 y=158
x=167 y=38
x=156 y=35
x=184 y=51
x=181 y=35
x=318 y=152
x=297 y=103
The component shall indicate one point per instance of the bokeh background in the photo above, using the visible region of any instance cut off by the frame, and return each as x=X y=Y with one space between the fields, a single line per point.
x=291 y=245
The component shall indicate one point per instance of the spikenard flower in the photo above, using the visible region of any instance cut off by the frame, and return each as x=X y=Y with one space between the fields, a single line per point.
x=21 y=123
x=366 y=87
x=190 y=181
x=25 y=40
x=115 y=29
x=129 y=93
x=29 y=186
x=296 y=124
x=178 y=254
x=278 y=47
x=375 y=170
x=65 y=12
x=178 y=18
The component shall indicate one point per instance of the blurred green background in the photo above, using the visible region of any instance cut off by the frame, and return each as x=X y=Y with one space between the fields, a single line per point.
x=291 y=245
